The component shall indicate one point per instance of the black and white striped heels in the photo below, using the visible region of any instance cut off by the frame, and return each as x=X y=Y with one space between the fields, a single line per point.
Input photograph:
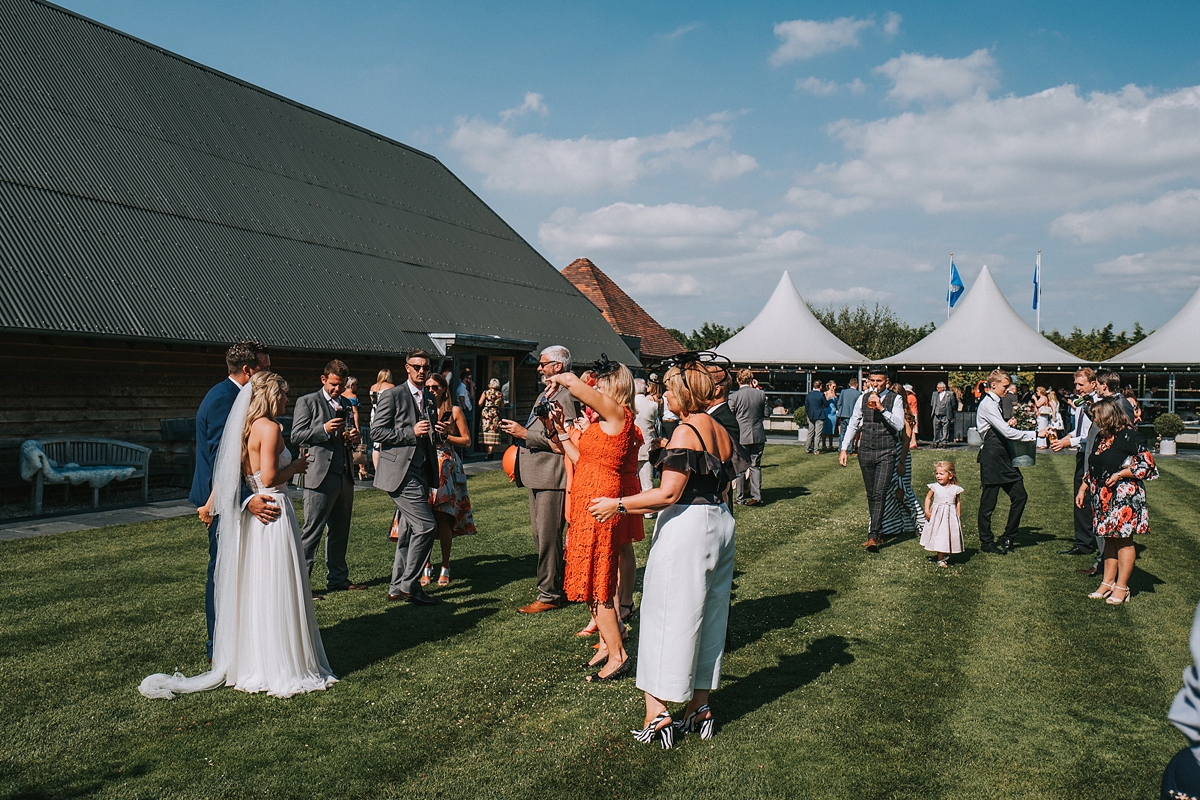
x=665 y=734
x=704 y=727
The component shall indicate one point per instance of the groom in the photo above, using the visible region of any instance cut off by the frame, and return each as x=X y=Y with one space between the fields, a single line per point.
x=408 y=469
x=243 y=361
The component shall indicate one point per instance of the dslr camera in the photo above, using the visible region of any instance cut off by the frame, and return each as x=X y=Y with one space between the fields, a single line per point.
x=543 y=408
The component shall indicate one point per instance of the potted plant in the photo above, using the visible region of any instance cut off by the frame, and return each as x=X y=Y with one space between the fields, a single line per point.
x=1167 y=426
x=800 y=417
x=1024 y=453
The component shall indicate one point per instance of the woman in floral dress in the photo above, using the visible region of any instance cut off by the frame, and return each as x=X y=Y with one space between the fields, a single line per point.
x=450 y=501
x=489 y=415
x=1118 y=465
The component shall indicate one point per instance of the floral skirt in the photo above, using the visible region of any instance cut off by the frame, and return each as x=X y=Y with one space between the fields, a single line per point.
x=451 y=497
x=1121 y=512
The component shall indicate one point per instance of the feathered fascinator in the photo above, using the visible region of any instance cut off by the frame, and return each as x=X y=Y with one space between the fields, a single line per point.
x=718 y=366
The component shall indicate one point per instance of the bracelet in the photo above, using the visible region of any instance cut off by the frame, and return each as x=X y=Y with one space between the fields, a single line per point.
x=564 y=436
x=621 y=506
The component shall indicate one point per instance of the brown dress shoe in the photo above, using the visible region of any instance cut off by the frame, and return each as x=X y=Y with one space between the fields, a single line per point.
x=872 y=545
x=537 y=607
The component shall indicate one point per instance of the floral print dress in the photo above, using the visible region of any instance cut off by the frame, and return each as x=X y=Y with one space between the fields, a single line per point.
x=489 y=416
x=1120 y=511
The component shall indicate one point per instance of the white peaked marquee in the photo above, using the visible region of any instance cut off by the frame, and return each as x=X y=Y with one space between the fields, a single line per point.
x=785 y=332
x=984 y=330
x=1176 y=343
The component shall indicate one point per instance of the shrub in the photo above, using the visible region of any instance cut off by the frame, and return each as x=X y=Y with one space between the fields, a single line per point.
x=801 y=417
x=1168 y=425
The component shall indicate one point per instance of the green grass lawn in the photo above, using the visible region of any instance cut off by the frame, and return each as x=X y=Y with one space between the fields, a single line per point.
x=846 y=675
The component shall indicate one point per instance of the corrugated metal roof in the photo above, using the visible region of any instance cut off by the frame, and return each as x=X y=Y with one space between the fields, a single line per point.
x=144 y=195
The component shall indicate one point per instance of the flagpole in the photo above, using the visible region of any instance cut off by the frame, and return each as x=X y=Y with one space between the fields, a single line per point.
x=1039 y=291
x=949 y=285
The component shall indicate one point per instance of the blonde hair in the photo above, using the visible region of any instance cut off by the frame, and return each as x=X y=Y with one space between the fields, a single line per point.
x=949 y=467
x=692 y=385
x=998 y=375
x=384 y=376
x=266 y=400
x=618 y=385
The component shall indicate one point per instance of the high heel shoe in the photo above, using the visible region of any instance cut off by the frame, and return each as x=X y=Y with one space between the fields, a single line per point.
x=704 y=727
x=1100 y=594
x=628 y=615
x=661 y=728
x=1124 y=599
x=588 y=630
x=615 y=675
x=595 y=664
x=444 y=578
x=426 y=575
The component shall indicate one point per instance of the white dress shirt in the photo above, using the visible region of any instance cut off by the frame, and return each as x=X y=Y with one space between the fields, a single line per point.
x=894 y=416
x=334 y=404
x=989 y=417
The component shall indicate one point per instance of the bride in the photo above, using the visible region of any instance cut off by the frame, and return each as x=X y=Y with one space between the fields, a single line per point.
x=266 y=637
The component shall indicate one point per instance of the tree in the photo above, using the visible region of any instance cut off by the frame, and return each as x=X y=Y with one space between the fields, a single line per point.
x=709 y=336
x=875 y=332
x=1098 y=344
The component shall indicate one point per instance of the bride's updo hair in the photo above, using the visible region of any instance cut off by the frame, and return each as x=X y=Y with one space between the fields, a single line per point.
x=692 y=385
x=267 y=393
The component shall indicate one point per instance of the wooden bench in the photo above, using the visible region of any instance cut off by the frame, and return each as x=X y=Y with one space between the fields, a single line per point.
x=90 y=457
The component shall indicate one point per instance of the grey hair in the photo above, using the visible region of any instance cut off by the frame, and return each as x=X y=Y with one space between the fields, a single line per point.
x=941 y=383
x=639 y=385
x=556 y=352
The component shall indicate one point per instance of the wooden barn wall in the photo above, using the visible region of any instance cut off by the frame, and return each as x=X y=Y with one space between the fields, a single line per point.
x=123 y=389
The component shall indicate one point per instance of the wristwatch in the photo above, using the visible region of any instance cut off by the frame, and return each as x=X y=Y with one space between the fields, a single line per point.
x=621 y=506
x=564 y=436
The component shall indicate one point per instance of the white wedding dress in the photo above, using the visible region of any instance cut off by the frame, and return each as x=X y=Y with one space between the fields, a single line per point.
x=266 y=637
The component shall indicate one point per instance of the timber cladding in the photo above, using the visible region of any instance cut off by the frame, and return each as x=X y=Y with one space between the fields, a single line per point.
x=118 y=389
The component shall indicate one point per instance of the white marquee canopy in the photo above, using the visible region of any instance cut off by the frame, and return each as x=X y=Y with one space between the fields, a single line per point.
x=1175 y=343
x=984 y=330
x=785 y=332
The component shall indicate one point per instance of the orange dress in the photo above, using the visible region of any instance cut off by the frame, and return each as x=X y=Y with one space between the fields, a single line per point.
x=591 y=573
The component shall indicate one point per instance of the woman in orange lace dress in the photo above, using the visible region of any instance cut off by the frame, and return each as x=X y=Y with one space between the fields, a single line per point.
x=593 y=547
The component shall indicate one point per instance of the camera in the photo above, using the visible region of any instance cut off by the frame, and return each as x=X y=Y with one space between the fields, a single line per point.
x=543 y=408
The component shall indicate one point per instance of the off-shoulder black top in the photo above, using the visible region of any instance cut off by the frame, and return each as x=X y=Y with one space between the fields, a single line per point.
x=708 y=475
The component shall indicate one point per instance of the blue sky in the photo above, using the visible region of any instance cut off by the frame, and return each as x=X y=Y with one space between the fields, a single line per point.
x=694 y=151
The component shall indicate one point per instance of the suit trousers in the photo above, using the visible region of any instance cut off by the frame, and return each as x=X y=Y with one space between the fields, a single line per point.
x=749 y=483
x=877 y=467
x=546 y=509
x=330 y=503
x=210 y=604
x=941 y=430
x=1085 y=534
x=843 y=423
x=415 y=534
x=1017 y=498
x=816 y=428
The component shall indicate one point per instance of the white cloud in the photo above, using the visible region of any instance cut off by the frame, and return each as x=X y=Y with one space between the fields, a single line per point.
x=1052 y=150
x=813 y=205
x=662 y=284
x=533 y=104
x=820 y=88
x=536 y=164
x=932 y=78
x=891 y=25
x=1171 y=213
x=1172 y=269
x=850 y=296
x=808 y=38
x=684 y=29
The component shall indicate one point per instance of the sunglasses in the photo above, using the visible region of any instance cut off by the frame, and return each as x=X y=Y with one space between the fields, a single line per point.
x=418 y=367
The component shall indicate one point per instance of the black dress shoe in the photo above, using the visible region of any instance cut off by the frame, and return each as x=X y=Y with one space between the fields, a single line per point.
x=1075 y=550
x=991 y=548
x=417 y=598
x=1007 y=544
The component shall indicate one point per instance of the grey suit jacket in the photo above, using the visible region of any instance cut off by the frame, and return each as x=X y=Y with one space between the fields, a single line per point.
x=538 y=467
x=329 y=453
x=749 y=405
x=944 y=407
x=392 y=428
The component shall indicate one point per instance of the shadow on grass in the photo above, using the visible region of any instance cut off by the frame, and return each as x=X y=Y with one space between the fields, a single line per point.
x=777 y=493
x=750 y=620
x=356 y=643
x=1141 y=581
x=77 y=785
x=747 y=695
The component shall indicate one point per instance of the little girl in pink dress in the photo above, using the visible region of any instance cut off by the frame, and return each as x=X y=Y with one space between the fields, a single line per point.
x=943 y=507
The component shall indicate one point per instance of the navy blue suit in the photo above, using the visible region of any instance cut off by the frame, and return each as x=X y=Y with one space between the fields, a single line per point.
x=210 y=425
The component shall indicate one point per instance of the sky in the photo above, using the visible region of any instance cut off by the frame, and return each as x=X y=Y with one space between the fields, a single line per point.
x=695 y=151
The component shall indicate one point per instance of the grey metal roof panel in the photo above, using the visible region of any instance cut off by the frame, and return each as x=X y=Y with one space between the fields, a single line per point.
x=136 y=182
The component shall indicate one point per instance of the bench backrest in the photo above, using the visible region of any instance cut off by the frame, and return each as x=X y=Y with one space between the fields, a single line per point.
x=91 y=452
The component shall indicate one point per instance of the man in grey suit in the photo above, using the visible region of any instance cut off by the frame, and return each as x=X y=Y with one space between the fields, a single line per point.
x=847 y=399
x=543 y=473
x=408 y=469
x=943 y=403
x=749 y=405
x=319 y=425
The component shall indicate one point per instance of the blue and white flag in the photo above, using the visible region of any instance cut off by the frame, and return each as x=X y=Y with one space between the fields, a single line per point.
x=956 y=285
x=1037 y=281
